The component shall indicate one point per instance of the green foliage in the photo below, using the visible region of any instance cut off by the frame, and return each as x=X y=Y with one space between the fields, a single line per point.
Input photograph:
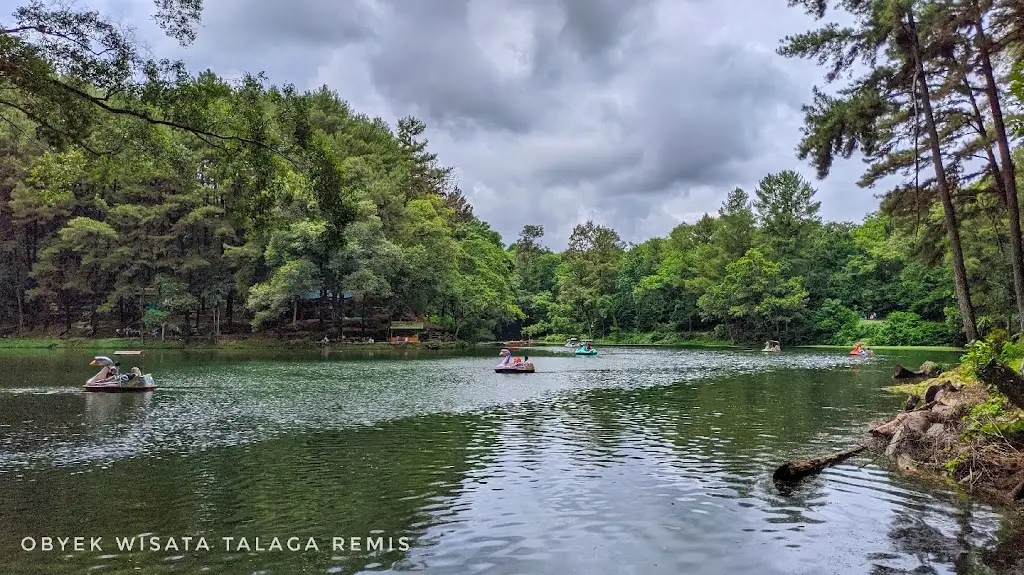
x=153 y=317
x=994 y=418
x=835 y=324
x=993 y=347
x=206 y=227
x=754 y=299
x=263 y=206
x=906 y=328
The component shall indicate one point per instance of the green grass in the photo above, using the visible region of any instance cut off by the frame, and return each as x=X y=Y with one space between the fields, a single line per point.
x=938 y=348
x=675 y=343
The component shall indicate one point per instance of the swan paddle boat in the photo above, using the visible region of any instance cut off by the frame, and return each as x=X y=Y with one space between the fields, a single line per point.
x=513 y=365
x=772 y=346
x=586 y=349
x=573 y=342
x=111 y=380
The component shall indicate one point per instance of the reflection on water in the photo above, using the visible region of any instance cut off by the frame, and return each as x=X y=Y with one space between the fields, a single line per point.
x=634 y=461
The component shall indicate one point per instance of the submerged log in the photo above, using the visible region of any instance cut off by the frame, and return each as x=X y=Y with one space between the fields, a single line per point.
x=904 y=373
x=1006 y=381
x=927 y=369
x=795 y=470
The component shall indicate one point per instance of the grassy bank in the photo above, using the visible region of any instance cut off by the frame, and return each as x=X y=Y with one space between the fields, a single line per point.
x=647 y=339
x=254 y=342
x=935 y=348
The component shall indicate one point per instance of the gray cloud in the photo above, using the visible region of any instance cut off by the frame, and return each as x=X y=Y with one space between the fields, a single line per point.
x=637 y=114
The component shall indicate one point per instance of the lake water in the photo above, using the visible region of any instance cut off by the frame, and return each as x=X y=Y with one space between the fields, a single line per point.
x=633 y=461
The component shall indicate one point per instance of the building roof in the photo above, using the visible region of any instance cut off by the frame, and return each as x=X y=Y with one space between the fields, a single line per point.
x=414 y=325
x=407 y=325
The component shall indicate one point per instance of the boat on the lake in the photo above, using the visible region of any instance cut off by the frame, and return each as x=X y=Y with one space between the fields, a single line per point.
x=111 y=380
x=859 y=349
x=772 y=346
x=586 y=349
x=514 y=364
x=572 y=342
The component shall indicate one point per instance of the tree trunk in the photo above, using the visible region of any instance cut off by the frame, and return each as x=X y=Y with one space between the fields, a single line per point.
x=230 y=306
x=1008 y=177
x=21 y=306
x=295 y=311
x=963 y=294
x=983 y=132
x=320 y=306
x=1005 y=380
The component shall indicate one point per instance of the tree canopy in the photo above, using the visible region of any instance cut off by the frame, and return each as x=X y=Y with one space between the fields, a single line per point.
x=137 y=195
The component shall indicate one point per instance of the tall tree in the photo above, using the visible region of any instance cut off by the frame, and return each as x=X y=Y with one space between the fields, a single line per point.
x=973 y=17
x=787 y=211
x=884 y=29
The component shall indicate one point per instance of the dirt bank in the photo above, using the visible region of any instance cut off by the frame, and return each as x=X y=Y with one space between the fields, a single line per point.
x=956 y=427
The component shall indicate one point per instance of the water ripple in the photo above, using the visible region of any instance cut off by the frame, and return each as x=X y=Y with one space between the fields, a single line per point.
x=634 y=461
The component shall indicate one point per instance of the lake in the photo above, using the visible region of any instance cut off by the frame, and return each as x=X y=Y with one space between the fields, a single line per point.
x=637 y=460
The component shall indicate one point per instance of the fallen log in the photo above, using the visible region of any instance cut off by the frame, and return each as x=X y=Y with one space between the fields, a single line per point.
x=888 y=428
x=1017 y=492
x=1005 y=380
x=904 y=373
x=795 y=470
x=933 y=391
x=928 y=369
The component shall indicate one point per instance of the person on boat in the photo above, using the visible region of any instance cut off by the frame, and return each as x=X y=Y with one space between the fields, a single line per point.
x=588 y=347
x=526 y=362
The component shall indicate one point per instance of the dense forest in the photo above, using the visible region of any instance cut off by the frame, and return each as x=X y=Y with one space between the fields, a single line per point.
x=137 y=196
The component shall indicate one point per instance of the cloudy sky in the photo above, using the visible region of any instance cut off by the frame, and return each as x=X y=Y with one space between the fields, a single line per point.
x=638 y=114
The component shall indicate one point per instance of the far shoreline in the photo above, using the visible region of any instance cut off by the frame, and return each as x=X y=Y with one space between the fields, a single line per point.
x=256 y=342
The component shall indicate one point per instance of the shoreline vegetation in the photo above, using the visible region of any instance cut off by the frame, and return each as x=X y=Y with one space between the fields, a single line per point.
x=963 y=427
x=306 y=211
x=266 y=341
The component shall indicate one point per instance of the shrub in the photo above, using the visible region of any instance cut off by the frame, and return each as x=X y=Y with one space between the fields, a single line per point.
x=835 y=323
x=905 y=328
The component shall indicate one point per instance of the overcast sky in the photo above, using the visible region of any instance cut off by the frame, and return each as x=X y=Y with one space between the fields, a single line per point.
x=638 y=114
